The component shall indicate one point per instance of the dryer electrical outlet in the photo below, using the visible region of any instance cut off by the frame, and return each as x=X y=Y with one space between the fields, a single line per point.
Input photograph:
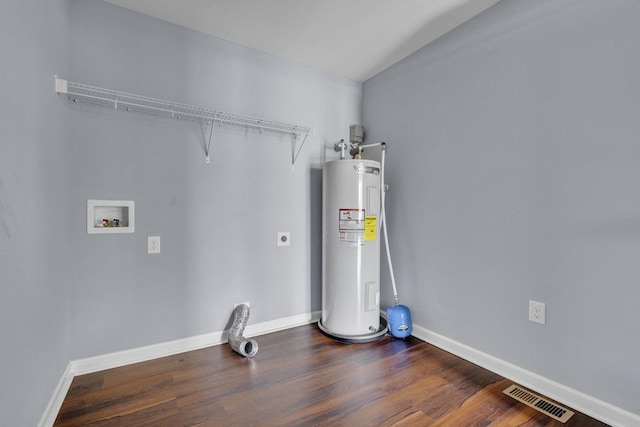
x=284 y=238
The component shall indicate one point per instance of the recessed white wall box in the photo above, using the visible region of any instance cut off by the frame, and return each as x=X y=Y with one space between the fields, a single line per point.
x=110 y=216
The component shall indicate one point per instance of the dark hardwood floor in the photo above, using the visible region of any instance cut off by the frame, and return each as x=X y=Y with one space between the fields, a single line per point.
x=301 y=377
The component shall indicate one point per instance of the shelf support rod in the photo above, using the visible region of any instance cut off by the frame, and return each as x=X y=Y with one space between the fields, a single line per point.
x=293 y=150
x=294 y=153
x=208 y=147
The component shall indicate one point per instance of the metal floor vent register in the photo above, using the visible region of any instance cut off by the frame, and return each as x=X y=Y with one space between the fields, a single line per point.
x=536 y=402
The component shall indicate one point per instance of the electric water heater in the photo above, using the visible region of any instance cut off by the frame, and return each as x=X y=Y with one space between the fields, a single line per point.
x=351 y=249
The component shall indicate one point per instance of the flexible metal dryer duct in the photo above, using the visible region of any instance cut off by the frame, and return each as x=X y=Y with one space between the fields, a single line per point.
x=242 y=345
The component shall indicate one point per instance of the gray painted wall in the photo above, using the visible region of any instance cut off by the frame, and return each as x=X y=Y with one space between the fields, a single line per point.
x=34 y=220
x=513 y=165
x=67 y=295
x=218 y=221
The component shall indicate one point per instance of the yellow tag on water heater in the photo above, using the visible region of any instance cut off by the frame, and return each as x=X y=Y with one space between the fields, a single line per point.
x=370 y=227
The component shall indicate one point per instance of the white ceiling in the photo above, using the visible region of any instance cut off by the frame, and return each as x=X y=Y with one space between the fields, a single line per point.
x=355 y=39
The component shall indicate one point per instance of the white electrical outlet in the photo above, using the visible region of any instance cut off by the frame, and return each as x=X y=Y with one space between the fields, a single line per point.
x=537 y=312
x=153 y=244
x=284 y=238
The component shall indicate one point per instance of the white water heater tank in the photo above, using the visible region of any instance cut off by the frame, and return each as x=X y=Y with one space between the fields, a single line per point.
x=351 y=247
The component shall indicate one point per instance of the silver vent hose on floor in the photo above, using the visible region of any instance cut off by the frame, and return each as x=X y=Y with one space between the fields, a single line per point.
x=242 y=345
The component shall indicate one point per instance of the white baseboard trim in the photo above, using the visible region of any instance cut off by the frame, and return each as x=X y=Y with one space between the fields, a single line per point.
x=575 y=399
x=141 y=354
x=55 y=403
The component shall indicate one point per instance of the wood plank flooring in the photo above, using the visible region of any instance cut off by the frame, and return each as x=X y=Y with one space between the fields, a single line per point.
x=301 y=377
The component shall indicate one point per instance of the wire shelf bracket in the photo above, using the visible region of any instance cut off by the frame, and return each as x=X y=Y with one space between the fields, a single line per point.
x=79 y=92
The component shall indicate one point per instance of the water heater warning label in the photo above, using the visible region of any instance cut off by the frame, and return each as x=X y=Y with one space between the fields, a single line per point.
x=370 y=227
x=352 y=227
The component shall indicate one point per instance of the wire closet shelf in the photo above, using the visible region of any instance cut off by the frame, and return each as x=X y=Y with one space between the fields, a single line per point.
x=79 y=92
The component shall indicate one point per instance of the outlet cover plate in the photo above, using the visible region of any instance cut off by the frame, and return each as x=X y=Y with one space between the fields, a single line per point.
x=153 y=244
x=537 y=312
